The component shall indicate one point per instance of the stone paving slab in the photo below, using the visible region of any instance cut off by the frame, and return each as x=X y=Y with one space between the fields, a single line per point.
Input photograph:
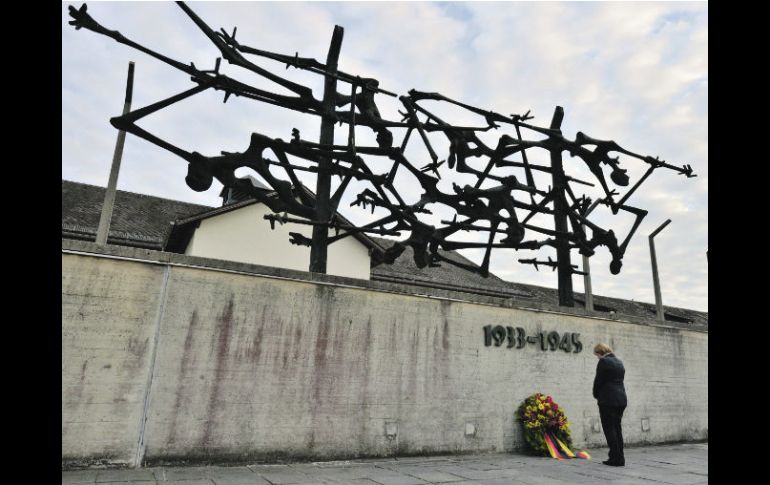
x=202 y=481
x=140 y=482
x=284 y=475
x=684 y=464
x=79 y=476
x=429 y=475
x=127 y=475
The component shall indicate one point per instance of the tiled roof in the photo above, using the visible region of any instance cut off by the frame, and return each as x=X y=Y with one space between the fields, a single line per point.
x=447 y=276
x=404 y=270
x=137 y=219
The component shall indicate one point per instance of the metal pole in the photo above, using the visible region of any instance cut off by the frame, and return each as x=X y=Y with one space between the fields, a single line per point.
x=566 y=298
x=323 y=185
x=655 y=280
x=109 y=196
x=587 y=281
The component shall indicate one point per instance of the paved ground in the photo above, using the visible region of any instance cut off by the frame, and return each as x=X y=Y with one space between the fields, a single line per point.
x=670 y=464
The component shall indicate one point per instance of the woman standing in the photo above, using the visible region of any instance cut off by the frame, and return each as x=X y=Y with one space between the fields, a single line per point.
x=611 y=397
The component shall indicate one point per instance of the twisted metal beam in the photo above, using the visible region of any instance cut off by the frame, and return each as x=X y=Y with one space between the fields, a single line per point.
x=489 y=205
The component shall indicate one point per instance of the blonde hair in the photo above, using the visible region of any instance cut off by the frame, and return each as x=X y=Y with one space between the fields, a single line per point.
x=602 y=349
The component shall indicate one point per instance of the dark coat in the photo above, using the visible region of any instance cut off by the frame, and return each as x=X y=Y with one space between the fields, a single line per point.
x=608 y=383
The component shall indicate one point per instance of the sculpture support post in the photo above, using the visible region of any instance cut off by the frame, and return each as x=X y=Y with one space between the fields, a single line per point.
x=587 y=281
x=318 y=249
x=566 y=298
x=109 y=195
x=655 y=280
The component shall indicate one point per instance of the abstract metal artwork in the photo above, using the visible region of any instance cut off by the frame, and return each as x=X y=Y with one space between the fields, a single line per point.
x=498 y=204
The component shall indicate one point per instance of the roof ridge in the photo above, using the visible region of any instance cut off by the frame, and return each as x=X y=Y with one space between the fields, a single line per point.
x=141 y=195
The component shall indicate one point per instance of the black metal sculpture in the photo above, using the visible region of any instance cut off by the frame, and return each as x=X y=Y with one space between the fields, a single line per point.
x=490 y=209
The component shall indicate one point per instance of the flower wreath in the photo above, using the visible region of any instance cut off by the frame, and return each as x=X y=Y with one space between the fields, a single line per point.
x=540 y=414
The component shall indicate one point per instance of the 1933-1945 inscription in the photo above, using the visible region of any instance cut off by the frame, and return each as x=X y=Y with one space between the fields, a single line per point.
x=517 y=337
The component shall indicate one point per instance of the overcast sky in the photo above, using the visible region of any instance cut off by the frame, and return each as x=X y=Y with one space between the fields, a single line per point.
x=635 y=73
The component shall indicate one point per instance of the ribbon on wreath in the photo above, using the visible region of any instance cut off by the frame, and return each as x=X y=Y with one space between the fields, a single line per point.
x=551 y=447
x=550 y=442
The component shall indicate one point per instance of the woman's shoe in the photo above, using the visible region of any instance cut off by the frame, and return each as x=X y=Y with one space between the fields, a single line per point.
x=614 y=463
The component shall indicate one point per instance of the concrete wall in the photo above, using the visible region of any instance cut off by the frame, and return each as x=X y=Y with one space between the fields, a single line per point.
x=110 y=311
x=180 y=359
x=243 y=235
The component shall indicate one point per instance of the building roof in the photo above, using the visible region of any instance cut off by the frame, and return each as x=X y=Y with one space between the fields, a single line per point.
x=146 y=221
x=449 y=277
x=137 y=219
x=403 y=270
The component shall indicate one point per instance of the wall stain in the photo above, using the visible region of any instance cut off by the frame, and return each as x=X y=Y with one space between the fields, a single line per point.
x=184 y=373
x=393 y=341
x=76 y=390
x=429 y=356
x=255 y=350
x=325 y=297
x=366 y=399
x=445 y=335
x=136 y=348
x=414 y=359
x=83 y=371
x=291 y=346
x=297 y=342
x=224 y=325
x=338 y=341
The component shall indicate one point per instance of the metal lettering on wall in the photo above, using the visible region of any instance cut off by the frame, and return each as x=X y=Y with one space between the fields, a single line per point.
x=517 y=338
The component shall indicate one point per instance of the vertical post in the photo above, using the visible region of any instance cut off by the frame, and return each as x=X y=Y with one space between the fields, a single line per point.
x=566 y=298
x=655 y=281
x=323 y=184
x=109 y=196
x=587 y=282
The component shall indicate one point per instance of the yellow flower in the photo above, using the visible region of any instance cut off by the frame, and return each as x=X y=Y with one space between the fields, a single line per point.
x=540 y=407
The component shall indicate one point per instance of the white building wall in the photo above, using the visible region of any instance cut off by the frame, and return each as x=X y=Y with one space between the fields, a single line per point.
x=244 y=235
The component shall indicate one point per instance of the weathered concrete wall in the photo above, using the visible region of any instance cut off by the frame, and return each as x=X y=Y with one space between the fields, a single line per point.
x=109 y=315
x=256 y=367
